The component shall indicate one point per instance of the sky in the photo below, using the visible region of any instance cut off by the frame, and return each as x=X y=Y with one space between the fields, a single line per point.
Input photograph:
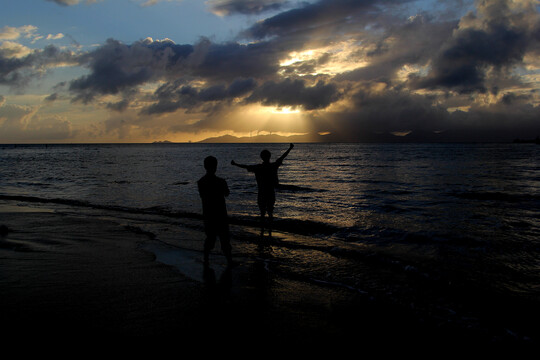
x=108 y=71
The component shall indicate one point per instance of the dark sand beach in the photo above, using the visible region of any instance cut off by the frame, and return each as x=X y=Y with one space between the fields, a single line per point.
x=66 y=276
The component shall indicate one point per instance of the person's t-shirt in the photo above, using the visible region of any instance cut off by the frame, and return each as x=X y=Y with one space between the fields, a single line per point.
x=266 y=175
x=213 y=191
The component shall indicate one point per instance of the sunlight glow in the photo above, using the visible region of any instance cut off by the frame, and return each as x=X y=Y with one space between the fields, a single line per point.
x=330 y=60
x=295 y=57
x=258 y=118
x=284 y=110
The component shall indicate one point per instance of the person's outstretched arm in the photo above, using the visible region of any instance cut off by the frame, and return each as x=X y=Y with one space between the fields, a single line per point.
x=239 y=165
x=286 y=153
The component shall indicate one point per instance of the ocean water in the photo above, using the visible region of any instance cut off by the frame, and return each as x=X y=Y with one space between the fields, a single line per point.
x=449 y=227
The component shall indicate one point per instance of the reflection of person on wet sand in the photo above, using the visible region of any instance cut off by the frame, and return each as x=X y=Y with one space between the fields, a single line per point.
x=213 y=191
x=267 y=180
x=217 y=289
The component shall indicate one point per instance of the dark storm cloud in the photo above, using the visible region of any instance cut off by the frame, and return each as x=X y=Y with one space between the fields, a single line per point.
x=462 y=66
x=411 y=42
x=116 y=67
x=230 y=7
x=458 y=61
x=10 y=70
x=108 y=78
x=295 y=93
x=174 y=96
x=501 y=41
x=231 y=60
x=373 y=115
x=400 y=116
x=467 y=55
x=313 y=15
x=510 y=118
x=240 y=87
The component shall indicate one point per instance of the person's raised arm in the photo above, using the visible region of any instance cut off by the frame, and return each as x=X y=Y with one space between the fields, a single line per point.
x=286 y=153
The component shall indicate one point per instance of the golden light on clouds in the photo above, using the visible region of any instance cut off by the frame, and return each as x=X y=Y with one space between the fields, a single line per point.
x=331 y=59
x=15 y=50
x=295 y=57
x=403 y=74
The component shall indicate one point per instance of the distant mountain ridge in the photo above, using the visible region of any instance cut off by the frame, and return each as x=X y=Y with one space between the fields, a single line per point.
x=271 y=138
x=416 y=136
x=413 y=137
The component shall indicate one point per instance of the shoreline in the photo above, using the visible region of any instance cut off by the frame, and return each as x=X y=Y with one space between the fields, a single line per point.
x=66 y=274
x=98 y=278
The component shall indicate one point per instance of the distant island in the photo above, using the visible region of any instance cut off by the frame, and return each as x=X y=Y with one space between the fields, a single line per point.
x=368 y=137
x=270 y=138
x=413 y=137
x=256 y=139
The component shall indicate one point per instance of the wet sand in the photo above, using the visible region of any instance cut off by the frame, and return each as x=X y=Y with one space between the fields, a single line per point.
x=81 y=277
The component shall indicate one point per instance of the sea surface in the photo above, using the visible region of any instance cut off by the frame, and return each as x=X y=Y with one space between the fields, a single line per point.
x=450 y=228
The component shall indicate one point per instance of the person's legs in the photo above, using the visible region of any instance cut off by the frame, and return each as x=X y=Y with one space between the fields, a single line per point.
x=270 y=219
x=225 y=241
x=208 y=246
x=261 y=201
x=210 y=240
x=270 y=210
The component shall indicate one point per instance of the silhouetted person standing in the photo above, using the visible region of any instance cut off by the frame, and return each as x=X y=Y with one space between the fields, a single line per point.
x=267 y=180
x=213 y=191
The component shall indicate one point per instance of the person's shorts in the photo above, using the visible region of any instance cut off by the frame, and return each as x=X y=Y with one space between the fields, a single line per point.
x=219 y=228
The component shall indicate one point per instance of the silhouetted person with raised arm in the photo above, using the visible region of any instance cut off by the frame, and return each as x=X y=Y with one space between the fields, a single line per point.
x=213 y=191
x=267 y=181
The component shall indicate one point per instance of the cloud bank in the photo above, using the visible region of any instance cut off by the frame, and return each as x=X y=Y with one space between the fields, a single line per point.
x=362 y=70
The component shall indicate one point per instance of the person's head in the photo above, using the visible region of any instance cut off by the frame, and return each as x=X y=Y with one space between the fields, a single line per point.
x=265 y=155
x=210 y=164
